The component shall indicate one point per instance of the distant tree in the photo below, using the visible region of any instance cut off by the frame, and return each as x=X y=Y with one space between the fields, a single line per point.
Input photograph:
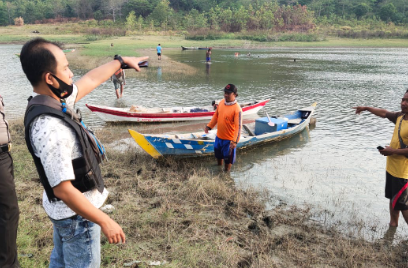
x=131 y=20
x=195 y=20
x=82 y=8
x=266 y=18
x=361 y=10
x=151 y=25
x=225 y=19
x=98 y=15
x=253 y=20
x=240 y=19
x=139 y=23
x=114 y=7
x=70 y=11
x=140 y=7
x=3 y=14
x=387 y=12
x=32 y=13
x=57 y=7
x=344 y=7
x=322 y=7
x=161 y=11
x=214 y=17
x=11 y=8
x=200 y=19
x=19 y=21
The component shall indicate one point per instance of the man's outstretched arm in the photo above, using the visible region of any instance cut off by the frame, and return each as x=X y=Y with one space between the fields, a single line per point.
x=97 y=76
x=376 y=111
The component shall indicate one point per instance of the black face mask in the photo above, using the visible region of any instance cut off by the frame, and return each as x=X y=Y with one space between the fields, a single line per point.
x=64 y=90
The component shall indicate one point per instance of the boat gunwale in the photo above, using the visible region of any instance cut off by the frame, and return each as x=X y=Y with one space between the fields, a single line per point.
x=109 y=111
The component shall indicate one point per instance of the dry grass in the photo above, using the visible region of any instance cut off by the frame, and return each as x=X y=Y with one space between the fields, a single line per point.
x=178 y=212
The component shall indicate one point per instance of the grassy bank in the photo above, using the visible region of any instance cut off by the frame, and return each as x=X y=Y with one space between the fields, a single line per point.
x=180 y=214
x=97 y=43
x=93 y=49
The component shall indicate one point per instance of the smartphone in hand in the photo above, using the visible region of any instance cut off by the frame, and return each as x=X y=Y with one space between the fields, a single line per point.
x=380 y=148
x=141 y=64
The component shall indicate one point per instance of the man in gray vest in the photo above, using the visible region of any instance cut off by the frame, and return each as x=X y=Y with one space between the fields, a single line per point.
x=71 y=205
x=8 y=199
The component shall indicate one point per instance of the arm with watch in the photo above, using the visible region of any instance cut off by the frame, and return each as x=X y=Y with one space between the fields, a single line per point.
x=97 y=76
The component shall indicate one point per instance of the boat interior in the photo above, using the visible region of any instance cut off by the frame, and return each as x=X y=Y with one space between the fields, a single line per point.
x=142 y=109
x=261 y=126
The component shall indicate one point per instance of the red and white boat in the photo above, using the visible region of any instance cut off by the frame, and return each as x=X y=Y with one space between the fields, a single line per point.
x=143 y=114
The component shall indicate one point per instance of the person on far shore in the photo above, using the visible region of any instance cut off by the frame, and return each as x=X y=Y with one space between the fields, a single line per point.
x=228 y=116
x=159 y=51
x=396 y=180
x=208 y=55
x=118 y=79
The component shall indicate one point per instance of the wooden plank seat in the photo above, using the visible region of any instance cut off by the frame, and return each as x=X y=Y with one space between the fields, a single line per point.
x=250 y=133
x=295 y=121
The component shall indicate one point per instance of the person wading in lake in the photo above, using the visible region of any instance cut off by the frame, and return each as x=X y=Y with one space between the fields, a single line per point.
x=397 y=159
x=208 y=55
x=228 y=116
x=66 y=154
x=9 y=212
x=119 y=80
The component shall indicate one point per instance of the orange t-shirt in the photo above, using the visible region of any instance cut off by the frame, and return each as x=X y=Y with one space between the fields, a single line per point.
x=229 y=120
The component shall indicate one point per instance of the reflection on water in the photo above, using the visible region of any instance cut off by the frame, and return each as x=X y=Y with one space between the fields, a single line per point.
x=336 y=168
x=159 y=74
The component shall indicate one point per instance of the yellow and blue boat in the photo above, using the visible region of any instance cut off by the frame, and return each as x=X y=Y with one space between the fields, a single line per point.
x=263 y=130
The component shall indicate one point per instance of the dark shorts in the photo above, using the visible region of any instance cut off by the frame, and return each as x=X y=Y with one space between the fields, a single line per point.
x=396 y=190
x=158 y=54
x=117 y=84
x=222 y=150
x=208 y=59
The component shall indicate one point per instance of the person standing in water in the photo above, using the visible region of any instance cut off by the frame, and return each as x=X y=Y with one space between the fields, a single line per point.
x=228 y=117
x=396 y=179
x=208 y=55
x=119 y=80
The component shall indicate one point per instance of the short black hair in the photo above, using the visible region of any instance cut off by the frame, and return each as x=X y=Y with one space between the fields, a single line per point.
x=36 y=59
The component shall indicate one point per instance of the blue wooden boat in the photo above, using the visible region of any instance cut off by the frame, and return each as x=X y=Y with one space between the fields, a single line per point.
x=261 y=131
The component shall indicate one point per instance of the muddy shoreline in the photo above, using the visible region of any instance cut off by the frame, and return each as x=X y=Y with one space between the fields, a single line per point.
x=178 y=213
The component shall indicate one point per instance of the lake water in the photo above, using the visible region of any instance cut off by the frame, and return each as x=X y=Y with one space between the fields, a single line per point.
x=333 y=168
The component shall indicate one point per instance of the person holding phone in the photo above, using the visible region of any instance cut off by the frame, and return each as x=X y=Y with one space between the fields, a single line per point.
x=396 y=185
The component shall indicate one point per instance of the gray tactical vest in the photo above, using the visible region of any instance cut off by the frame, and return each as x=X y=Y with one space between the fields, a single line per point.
x=4 y=126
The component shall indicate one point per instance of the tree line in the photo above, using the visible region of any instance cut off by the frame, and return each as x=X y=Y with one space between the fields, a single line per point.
x=225 y=15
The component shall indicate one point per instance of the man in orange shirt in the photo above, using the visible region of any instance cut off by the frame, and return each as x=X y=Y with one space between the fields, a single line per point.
x=228 y=116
